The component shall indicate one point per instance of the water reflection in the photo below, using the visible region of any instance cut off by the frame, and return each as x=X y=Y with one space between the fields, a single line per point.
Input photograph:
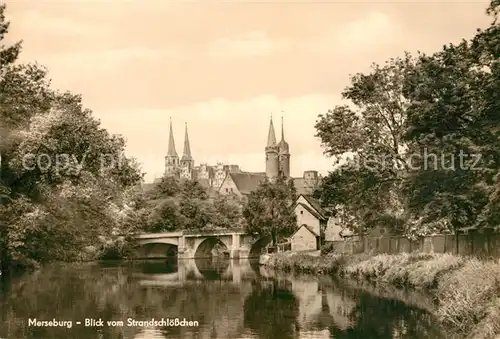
x=278 y=307
x=229 y=299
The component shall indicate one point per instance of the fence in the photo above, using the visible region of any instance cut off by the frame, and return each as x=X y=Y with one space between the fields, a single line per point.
x=279 y=248
x=472 y=244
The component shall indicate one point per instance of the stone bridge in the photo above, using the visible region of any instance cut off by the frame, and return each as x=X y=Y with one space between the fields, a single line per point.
x=189 y=245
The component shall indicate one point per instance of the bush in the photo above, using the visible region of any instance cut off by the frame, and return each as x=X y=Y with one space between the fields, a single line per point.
x=469 y=296
x=467 y=290
x=327 y=248
x=114 y=249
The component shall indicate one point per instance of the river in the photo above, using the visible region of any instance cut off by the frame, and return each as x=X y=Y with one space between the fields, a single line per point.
x=210 y=299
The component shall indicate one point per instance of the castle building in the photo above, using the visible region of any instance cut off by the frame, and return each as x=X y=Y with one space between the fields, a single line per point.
x=230 y=179
x=277 y=163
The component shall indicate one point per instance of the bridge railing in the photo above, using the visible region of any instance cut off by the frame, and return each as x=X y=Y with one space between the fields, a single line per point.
x=212 y=232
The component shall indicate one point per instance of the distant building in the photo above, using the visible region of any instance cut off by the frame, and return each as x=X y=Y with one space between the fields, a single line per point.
x=230 y=179
x=277 y=163
x=241 y=183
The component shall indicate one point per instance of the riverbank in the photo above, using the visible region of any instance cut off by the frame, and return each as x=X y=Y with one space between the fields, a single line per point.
x=467 y=290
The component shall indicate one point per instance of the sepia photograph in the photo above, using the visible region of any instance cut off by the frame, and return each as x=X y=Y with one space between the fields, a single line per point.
x=279 y=169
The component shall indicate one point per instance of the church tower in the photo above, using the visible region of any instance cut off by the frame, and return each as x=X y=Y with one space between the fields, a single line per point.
x=171 y=159
x=187 y=162
x=272 y=154
x=284 y=154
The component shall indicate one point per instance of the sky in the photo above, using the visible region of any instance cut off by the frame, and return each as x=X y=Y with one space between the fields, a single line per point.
x=225 y=67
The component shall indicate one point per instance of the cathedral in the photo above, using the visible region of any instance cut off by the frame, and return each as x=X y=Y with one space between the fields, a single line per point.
x=230 y=179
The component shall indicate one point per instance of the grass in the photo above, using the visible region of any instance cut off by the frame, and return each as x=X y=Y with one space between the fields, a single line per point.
x=467 y=290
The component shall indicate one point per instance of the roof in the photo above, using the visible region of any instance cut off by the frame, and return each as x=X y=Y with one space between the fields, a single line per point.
x=314 y=208
x=187 y=148
x=310 y=210
x=271 y=137
x=247 y=182
x=283 y=145
x=171 y=143
x=316 y=204
x=309 y=228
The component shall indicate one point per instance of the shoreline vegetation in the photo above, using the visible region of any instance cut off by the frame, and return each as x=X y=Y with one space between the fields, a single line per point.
x=466 y=290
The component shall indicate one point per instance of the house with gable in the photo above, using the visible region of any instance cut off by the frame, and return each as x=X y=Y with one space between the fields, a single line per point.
x=319 y=222
x=305 y=239
x=312 y=221
x=309 y=212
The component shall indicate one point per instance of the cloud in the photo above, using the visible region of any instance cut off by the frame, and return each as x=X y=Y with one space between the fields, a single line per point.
x=371 y=30
x=54 y=25
x=374 y=25
x=106 y=59
x=254 y=43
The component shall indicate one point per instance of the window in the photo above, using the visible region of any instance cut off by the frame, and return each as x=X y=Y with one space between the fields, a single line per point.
x=301 y=212
x=227 y=189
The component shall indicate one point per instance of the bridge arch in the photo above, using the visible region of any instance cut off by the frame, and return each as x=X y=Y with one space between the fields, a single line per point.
x=258 y=246
x=213 y=268
x=205 y=247
x=158 y=240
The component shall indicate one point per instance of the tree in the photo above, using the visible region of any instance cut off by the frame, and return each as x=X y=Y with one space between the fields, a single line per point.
x=167 y=187
x=454 y=113
x=368 y=184
x=195 y=213
x=441 y=112
x=269 y=210
x=193 y=189
x=493 y=10
x=226 y=213
x=178 y=204
x=83 y=181
x=7 y=54
x=164 y=217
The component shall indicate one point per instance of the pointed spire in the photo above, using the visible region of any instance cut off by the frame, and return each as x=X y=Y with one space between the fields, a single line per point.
x=282 y=129
x=187 y=149
x=283 y=145
x=271 y=137
x=171 y=142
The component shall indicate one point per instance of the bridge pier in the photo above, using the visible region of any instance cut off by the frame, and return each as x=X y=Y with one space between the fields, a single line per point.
x=183 y=251
x=234 y=251
x=236 y=270
x=186 y=254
